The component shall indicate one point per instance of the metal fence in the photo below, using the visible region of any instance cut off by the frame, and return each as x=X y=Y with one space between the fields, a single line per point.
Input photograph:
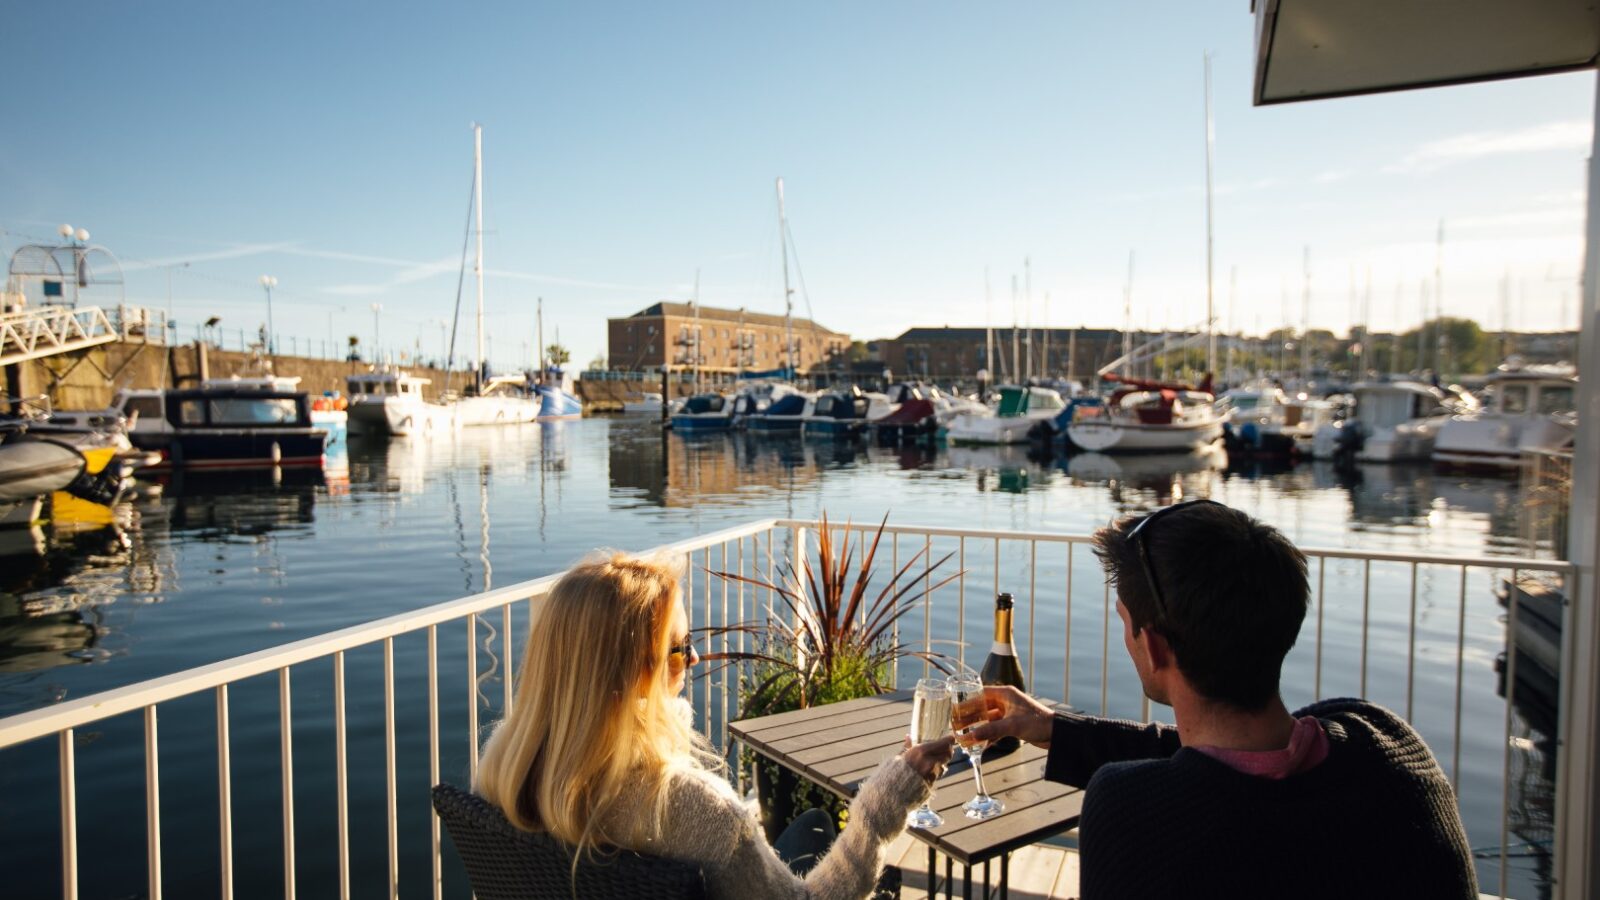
x=1410 y=631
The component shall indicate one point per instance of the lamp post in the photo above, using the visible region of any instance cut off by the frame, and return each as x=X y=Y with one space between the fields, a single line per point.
x=268 y=282
x=376 y=309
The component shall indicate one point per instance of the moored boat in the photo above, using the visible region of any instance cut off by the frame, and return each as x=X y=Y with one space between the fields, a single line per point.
x=783 y=414
x=390 y=401
x=224 y=427
x=1392 y=421
x=1150 y=417
x=704 y=412
x=845 y=414
x=1533 y=410
x=1019 y=412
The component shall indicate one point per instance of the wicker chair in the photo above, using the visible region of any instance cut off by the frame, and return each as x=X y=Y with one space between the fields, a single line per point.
x=504 y=862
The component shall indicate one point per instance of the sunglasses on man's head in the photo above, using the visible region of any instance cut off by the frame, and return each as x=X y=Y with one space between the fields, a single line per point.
x=1140 y=537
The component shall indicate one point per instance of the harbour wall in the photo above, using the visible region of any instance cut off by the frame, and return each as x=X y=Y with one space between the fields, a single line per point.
x=88 y=379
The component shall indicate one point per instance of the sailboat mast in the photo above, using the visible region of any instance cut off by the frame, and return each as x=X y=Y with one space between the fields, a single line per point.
x=788 y=294
x=477 y=267
x=988 y=328
x=1211 y=322
x=540 y=354
x=1027 y=312
x=1305 y=324
x=1016 y=345
x=1127 y=310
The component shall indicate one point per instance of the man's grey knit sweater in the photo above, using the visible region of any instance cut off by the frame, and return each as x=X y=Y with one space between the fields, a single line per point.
x=709 y=825
x=1377 y=818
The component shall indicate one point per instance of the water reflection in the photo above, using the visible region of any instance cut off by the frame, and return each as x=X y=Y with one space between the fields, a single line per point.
x=224 y=564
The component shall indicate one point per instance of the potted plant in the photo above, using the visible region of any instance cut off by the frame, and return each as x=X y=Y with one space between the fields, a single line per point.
x=831 y=640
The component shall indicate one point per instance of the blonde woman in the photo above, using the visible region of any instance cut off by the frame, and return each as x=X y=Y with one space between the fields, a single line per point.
x=599 y=749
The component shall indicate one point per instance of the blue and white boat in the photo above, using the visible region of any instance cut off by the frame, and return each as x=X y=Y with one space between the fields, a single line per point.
x=846 y=414
x=556 y=398
x=704 y=412
x=786 y=413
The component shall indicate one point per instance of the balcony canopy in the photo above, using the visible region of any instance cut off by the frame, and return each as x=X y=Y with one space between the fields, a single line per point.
x=1313 y=49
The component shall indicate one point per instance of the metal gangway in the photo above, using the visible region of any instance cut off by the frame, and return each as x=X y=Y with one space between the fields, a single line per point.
x=48 y=330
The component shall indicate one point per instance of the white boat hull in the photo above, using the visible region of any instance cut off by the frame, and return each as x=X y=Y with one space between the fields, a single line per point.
x=1498 y=442
x=1111 y=436
x=991 y=429
x=394 y=417
x=477 y=412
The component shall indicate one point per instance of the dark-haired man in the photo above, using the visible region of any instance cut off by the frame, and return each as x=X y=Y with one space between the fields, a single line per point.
x=1242 y=798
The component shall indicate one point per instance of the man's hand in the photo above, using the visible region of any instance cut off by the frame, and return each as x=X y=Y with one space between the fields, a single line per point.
x=929 y=759
x=1014 y=714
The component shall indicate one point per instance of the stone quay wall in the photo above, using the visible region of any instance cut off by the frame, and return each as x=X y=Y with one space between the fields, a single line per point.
x=88 y=379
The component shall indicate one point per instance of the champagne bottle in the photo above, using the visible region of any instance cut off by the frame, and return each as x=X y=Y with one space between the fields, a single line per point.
x=1002 y=667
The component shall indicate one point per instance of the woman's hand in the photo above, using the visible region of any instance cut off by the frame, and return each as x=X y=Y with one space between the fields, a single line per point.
x=929 y=759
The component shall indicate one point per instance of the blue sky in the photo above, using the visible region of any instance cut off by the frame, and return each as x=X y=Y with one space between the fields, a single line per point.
x=628 y=145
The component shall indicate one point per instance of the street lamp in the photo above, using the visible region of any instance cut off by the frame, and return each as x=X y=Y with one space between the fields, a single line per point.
x=269 y=282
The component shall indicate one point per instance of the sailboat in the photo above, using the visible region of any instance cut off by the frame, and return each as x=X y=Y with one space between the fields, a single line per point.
x=505 y=399
x=1144 y=415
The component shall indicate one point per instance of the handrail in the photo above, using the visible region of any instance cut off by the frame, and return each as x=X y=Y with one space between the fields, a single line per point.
x=49 y=720
x=1500 y=562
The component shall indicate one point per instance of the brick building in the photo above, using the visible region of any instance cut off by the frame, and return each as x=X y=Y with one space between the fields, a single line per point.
x=939 y=353
x=718 y=341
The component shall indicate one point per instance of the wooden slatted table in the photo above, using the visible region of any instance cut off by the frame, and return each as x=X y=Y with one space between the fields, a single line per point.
x=839 y=745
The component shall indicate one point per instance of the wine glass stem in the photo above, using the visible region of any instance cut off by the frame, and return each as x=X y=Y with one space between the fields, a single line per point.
x=977 y=772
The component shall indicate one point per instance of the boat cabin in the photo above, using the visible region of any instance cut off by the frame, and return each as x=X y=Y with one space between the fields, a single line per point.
x=841 y=406
x=236 y=408
x=1389 y=403
x=705 y=404
x=1542 y=391
x=382 y=384
x=1019 y=401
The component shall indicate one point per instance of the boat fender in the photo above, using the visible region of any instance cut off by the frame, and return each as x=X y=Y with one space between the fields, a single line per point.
x=277 y=453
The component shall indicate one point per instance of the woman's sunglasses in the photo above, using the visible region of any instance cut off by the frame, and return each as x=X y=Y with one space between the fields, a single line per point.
x=684 y=654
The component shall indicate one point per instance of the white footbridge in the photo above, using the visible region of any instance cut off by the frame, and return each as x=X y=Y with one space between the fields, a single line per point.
x=42 y=331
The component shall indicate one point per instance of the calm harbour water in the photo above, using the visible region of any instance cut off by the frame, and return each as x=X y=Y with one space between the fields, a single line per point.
x=215 y=567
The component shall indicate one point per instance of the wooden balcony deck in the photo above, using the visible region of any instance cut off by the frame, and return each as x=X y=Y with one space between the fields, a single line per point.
x=1040 y=872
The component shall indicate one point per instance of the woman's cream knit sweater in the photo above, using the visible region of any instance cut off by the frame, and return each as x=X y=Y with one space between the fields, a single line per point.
x=708 y=825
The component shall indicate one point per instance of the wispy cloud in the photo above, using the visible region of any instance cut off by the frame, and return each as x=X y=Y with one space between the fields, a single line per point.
x=235 y=251
x=409 y=273
x=1521 y=219
x=1567 y=135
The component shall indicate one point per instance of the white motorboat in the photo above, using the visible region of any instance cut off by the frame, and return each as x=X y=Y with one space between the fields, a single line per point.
x=1393 y=421
x=846 y=414
x=643 y=404
x=389 y=401
x=1534 y=410
x=1019 y=412
x=1149 y=417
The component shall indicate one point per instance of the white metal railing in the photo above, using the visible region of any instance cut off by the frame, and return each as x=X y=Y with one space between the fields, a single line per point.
x=1370 y=610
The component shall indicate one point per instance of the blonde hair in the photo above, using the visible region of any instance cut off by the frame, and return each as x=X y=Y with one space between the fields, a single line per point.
x=594 y=712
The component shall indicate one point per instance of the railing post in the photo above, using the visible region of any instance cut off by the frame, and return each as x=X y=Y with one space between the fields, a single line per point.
x=1577 y=791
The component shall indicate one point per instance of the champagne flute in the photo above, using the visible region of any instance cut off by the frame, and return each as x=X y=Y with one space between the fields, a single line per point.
x=967 y=709
x=930 y=716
